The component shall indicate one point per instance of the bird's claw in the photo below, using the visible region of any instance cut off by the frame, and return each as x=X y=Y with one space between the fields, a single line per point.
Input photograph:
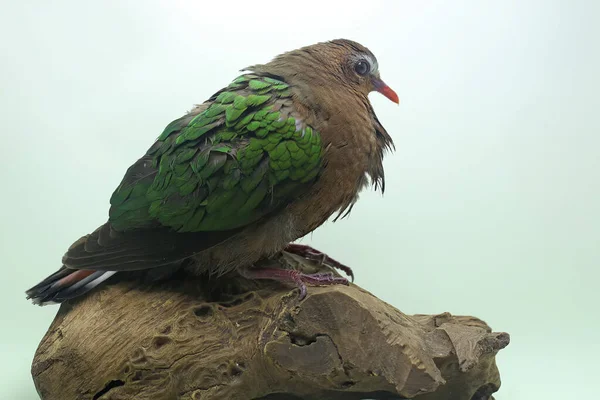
x=321 y=258
x=300 y=279
x=321 y=279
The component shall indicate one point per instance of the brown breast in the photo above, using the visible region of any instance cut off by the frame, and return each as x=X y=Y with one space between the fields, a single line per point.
x=350 y=143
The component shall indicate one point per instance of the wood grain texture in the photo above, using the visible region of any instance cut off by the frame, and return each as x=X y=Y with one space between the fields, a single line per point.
x=253 y=340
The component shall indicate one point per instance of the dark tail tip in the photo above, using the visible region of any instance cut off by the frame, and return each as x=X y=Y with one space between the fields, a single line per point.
x=66 y=284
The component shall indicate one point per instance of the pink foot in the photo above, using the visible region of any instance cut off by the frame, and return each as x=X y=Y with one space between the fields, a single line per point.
x=290 y=275
x=313 y=254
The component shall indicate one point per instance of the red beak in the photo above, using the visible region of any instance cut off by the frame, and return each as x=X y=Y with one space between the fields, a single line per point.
x=385 y=90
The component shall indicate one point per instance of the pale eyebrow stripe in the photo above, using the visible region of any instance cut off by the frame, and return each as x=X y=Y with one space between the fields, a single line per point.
x=374 y=64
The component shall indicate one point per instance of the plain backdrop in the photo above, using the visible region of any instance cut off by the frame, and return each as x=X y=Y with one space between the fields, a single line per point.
x=491 y=207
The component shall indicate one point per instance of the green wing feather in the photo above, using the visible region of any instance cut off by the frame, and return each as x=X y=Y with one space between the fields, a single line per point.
x=242 y=157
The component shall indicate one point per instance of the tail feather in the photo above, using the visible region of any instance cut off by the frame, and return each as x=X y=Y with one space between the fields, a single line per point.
x=66 y=284
x=156 y=252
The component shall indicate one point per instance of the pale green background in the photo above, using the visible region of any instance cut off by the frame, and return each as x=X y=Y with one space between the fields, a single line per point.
x=491 y=206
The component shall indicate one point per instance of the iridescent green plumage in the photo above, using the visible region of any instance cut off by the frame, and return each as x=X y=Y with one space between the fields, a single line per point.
x=243 y=156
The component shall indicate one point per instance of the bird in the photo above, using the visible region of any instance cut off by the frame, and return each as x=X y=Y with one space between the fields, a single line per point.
x=240 y=177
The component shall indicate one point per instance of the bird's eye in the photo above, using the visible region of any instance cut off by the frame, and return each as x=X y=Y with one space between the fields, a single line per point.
x=362 y=67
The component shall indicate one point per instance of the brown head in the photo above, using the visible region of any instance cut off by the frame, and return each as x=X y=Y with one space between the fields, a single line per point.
x=341 y=63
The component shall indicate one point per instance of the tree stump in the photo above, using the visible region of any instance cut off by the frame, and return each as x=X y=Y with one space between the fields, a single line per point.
x=232 y=338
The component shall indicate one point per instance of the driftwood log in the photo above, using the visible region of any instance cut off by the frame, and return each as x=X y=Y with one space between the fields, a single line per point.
x=231 y=338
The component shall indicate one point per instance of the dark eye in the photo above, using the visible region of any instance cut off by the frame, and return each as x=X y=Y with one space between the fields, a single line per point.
x=362 y=67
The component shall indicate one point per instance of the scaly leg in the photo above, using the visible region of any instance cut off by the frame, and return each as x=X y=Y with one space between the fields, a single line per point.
x=313 y=254
x=291 y=275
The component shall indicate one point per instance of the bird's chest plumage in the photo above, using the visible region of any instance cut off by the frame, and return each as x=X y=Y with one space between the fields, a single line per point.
x=349 y=143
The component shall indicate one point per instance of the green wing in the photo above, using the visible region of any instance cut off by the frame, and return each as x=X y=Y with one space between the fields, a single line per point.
x=245 y=155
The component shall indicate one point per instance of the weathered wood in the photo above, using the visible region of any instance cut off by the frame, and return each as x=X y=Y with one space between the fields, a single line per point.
x=254 y=340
